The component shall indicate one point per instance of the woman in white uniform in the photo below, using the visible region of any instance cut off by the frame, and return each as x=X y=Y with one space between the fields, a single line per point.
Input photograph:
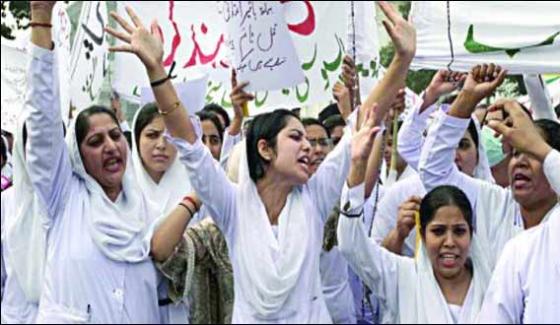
x=525 y=286
x=24 y=241
x=500 y=213
x=98 y=266
x=273 y=219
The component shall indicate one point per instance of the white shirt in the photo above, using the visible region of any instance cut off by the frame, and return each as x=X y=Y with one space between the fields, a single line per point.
x=306 y=304
x=406 y=288
x=227 y=146
x=525 y=287
x=81 y=283
x=386 y=217
x=16 y=309
x=497 y=214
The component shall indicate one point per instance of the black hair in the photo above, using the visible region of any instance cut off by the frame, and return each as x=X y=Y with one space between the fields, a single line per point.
x=217 y=109
x=313 y=121
x=443 y=196
x=82 y=120
x=474 y=133
x=209 y=116
x=266 y=127
x=557 y=109
x=550 y=131
x=334 y=121
x=4 y=151
x=330 y=110
x=146 y=115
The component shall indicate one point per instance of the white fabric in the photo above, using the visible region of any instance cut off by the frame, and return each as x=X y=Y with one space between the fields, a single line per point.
x=118 y=228
x=386 y=217
x=304 y=303
x=410 y=145
x=497 y=214
x=520 y=28
x=482 y=170
x=407 y=289
x=525 y=286
x=227 y=147
x=411 y=139
x=551 y=170
x=541 y=103
x=80 y=277
x=26 y=235
x=269 y=281
x=173 y=186
x=336 y=286
x=16 y=308
x=166 y=195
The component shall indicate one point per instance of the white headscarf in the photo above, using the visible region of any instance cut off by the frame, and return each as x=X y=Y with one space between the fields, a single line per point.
x=428 y=300
x=26 y=234
x=119 y=229
x=482 y=170
x=267 y=281
x=172 y=187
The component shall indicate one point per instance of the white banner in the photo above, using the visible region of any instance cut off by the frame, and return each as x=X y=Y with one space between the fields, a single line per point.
x=195 y=38
x=522 y=36
x=261 y=46
x=14 y=84
x=89 y=61
x=15 y=59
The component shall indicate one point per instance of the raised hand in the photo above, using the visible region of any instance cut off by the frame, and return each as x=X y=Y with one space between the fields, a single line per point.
x=445 y=81
x=238 y=95
x=146 y=44
x=397 y=107
x=362 y=141
x=341 y=94
x=406 y=218
x=519 y=130
x=402 y=32
x=239 y=99
x=482 y=80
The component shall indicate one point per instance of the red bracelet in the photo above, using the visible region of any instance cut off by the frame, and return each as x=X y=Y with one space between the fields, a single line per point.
x=191 y=200
x=34 y=24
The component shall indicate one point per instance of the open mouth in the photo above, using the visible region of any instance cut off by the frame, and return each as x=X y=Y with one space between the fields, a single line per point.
x=113 y=165
x=304 y=160
x=520 y=181
x=448 y=259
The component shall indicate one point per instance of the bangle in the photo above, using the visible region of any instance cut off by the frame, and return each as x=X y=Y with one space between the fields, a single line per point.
x=162 y=81
x=192 y=201
x=174 y=107
x=35 y=24
x=187 y=207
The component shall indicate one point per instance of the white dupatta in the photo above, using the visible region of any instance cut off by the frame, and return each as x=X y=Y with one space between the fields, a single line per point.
x=119 y=229
x=269 y=267
x=172 y=187
x=26 y=232
x=421 y=300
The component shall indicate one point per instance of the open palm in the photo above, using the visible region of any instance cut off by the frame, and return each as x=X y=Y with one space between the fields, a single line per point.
x=146 y=44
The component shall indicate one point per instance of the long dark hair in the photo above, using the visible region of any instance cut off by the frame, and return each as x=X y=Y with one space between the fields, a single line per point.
x=265 y=126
